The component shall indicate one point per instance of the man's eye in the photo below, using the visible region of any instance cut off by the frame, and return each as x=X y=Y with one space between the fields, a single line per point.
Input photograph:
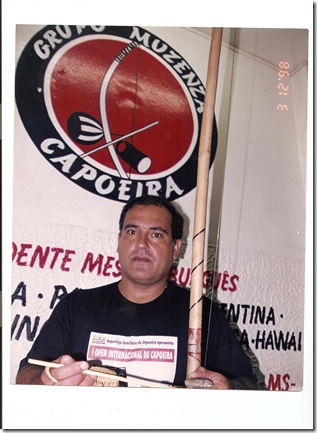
x=131 y=232
x=157 y=235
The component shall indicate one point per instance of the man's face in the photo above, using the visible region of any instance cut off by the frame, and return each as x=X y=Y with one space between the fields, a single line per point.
x=145 y=247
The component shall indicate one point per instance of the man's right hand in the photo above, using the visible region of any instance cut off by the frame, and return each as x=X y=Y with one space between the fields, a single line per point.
x=71 y=374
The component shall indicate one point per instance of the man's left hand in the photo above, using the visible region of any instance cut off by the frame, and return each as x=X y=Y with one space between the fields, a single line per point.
x=219 y=380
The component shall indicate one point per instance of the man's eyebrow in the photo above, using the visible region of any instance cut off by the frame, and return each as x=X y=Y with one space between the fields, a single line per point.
x=160 y=229
x=130 y=225
x=157 y=228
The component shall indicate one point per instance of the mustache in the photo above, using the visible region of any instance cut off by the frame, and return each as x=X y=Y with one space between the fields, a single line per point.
x=141 y=254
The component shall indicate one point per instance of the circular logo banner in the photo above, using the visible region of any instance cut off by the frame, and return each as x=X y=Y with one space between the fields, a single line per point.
x=115 y=109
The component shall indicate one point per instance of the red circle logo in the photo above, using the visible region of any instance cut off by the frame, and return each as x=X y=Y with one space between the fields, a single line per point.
x=122 y=109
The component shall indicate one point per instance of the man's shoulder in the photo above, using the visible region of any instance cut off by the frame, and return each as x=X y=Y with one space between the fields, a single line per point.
x=183 y=291
x=177 y=289
x=94 y=292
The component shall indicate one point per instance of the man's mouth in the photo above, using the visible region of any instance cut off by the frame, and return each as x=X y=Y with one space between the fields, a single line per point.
x=140 y=259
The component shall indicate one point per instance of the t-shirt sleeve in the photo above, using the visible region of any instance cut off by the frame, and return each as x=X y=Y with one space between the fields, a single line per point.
x=225 y=353
x=55 y=335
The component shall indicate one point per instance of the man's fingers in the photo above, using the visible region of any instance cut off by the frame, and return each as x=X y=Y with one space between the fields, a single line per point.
x=79 y=379
x=65 y=360
x=69 y=372
x=49 y=375
x=219 y=381
x=199 y=382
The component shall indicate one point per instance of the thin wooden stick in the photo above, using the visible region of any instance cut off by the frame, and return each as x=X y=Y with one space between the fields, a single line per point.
x=198 y=247
x=139 y=382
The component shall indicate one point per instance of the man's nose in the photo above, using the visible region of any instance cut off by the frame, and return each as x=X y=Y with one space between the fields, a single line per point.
x=143 y=240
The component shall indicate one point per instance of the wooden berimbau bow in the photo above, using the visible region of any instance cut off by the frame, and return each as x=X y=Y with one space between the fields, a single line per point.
x=199 y=231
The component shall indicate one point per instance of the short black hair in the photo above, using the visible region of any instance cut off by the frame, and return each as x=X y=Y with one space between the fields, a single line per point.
x=154 y=200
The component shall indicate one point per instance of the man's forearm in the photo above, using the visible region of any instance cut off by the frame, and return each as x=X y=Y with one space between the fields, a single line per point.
x=29 y=375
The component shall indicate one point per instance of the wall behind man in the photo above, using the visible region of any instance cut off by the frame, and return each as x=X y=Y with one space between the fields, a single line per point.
x=262 y=238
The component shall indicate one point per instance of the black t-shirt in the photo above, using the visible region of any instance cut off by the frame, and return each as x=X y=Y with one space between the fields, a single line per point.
x=105 y=310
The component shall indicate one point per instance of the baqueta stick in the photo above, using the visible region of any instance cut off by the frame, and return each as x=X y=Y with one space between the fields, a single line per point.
x=139 y=382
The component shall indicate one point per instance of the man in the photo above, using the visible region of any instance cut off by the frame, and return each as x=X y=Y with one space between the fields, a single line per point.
x=141 y=322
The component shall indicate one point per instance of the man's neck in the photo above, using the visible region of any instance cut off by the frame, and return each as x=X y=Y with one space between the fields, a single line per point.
x=139 y=293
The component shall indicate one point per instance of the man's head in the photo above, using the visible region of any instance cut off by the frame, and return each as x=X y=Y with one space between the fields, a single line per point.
x=152 y=200
x=149 y=240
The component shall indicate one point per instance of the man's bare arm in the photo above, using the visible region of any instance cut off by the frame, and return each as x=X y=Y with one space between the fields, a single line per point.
x=30 y=375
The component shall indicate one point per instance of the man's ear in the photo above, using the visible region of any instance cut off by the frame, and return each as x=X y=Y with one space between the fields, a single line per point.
x=177 y=248
x=119 y=234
